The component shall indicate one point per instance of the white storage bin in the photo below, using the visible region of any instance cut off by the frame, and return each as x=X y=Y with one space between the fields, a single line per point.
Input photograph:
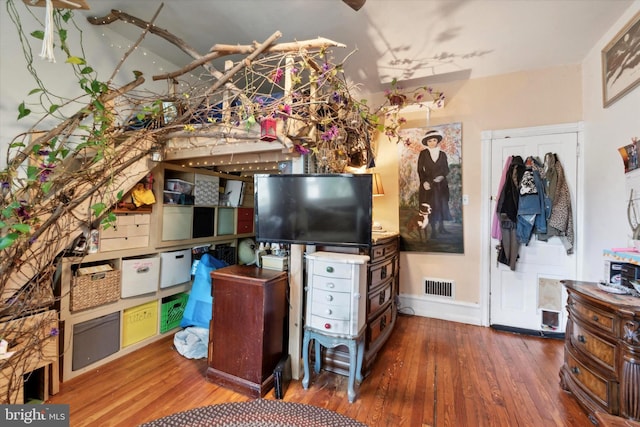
x=175 y=268
x=140 y=276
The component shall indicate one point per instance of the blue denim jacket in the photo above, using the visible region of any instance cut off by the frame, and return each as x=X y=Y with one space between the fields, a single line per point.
x=533 y=211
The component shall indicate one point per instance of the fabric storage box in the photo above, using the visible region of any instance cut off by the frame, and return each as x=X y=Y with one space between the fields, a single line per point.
x=95 y=339
x=94 y=286
x=206 y=190
x=139 y=322
x=226 y=221
x=175 y=268
x=140 y=276
x=203 y=221
x=171 y=311
x=176 y=222
x=178 y=185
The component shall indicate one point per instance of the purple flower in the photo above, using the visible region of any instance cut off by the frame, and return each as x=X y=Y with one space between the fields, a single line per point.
x=301 y=149
x=336 y=97
x=54 y=332
x=326 y=67
x=294 y=70
x=277 y=75
x=330 y=134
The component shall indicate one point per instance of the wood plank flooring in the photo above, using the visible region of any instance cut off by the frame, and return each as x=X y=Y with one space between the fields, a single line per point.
x=430 y=373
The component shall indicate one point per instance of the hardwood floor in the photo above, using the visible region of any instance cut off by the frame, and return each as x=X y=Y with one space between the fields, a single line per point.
x=430 y=373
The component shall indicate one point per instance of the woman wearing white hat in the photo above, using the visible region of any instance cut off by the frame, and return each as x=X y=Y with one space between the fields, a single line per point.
x=433 y=168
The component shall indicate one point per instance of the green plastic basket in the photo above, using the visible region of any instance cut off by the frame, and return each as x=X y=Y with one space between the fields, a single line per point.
x=171 y=311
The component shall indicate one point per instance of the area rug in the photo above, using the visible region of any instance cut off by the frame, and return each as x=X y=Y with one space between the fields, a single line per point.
x=256 y=413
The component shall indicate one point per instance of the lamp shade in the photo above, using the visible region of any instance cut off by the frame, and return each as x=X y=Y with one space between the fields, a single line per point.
x=376 y=181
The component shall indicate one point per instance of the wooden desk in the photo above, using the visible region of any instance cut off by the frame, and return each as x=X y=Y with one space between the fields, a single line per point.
x=248 y=328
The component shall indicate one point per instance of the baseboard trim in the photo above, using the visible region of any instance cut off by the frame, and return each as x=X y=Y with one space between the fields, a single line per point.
x=440 y=308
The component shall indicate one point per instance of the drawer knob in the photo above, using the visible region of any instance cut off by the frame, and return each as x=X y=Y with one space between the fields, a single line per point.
x=575 y=370
x=582 y=339
x=329 y=298
x=328 y=311
x=382 y=298
x=330 y=285
x=329 y=269
x=595 y=318
x=327 y=325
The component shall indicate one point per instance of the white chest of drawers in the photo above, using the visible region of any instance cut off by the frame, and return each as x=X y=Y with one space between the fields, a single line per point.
x=336 y=293
x=336 y=310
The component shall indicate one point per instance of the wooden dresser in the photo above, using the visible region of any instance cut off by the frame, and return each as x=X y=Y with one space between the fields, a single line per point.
x=381 y=307
x=602 y=350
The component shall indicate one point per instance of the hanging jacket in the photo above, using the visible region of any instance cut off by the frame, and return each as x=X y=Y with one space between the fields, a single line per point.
x=496 y=232
x=534 y=207
x=508 y=210
x=560 y=221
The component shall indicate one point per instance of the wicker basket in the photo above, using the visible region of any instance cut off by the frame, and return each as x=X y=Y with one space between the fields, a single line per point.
x=92 y=290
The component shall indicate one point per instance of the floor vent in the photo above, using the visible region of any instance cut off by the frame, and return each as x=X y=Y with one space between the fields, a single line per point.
x=438 y=287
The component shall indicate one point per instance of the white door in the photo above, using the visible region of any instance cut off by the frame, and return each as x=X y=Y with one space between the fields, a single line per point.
x=531 y=297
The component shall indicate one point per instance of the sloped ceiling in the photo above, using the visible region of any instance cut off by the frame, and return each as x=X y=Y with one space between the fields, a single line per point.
x=418 y=41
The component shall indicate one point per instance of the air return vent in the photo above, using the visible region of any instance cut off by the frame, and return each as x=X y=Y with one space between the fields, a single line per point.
x=438 y=287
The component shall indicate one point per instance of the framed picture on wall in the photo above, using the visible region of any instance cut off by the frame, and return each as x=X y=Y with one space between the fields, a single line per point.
x=621 y=63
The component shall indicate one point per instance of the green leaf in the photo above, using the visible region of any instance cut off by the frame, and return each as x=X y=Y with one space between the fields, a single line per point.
x=75 y=60
x=8 y=211
x=3 y=224
x=120 y=194
x=62 y=33
x=99 y=106
x=38 y=34
x=32 y=173
x=23 y=111
x=86 y=70
x=46 y=187
x=98 y=208
x=66 y=16
x=36 y=90
x=141 y=116
x=8 y=240
x=22 y=228
x=53 y=108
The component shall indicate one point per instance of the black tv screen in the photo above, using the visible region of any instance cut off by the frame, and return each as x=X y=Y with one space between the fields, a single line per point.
x=313 y=209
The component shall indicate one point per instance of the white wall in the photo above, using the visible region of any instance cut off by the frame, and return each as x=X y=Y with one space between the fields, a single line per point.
x=103 y=50
x=606 y=129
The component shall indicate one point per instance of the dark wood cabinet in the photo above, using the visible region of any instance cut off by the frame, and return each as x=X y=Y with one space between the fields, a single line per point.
x=247 y=335
x=602 y=350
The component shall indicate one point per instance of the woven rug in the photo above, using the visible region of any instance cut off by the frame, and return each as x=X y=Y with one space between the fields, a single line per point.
x=256 y=413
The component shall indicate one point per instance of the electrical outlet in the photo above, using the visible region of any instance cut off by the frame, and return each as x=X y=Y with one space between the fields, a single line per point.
x=465 y=199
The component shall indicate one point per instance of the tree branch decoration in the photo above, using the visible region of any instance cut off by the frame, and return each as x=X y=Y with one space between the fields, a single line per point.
x=62 y=181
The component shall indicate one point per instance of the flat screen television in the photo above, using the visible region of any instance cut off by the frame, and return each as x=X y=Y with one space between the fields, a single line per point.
x=313 y=209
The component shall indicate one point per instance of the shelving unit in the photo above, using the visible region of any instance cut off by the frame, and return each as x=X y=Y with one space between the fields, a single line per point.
x=138 y=244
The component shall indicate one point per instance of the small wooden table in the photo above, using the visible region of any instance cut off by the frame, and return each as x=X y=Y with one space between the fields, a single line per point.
x=247 y=334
